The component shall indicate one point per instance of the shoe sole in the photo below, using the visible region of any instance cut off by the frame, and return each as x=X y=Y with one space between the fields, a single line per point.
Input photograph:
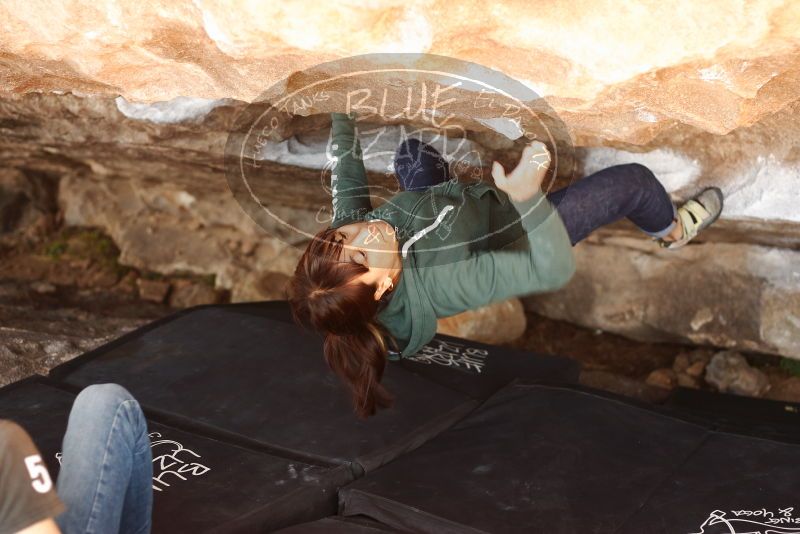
x=721 y=199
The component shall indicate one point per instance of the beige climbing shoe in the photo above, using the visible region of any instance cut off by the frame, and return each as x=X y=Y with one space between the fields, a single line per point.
x=695 y=215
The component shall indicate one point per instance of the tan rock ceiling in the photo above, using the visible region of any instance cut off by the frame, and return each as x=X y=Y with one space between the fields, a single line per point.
x=613 y=70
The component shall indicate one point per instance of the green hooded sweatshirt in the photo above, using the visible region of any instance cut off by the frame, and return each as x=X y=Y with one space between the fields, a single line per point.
x=463 y=245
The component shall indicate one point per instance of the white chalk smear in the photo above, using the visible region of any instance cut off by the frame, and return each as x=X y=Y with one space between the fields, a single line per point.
x=179 y=109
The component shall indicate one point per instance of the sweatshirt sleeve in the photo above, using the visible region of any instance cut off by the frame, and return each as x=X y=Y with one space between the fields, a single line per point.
x=27 y=493
x=547 y=263
x=349 y=189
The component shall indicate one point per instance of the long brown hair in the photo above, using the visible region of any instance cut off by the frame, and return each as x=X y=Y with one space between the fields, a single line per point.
x=321 y=299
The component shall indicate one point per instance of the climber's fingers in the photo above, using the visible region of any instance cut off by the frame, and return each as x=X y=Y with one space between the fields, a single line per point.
x=499 y=173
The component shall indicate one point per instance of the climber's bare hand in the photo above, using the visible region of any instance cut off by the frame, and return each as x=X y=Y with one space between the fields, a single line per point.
x=526 y=178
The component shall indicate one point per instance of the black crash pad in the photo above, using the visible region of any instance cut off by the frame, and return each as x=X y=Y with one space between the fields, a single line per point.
x=746 y=415
x=339 y=525
x=207 y=485
x=470 y=367
x=238 y=371
x=732 y=483
x=264 y=382
x=479 y=370
x=538 y=458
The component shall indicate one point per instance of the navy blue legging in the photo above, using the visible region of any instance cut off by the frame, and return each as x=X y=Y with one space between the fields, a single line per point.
x=629 y=190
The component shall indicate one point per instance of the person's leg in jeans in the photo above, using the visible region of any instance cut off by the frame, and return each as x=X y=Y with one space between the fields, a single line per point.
x=417 y=165
x=629 y=190
x=106 y=473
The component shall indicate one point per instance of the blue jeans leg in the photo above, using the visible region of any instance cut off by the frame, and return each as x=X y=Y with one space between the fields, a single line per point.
x=106 y=478
x=417 y=165
x=629 y=190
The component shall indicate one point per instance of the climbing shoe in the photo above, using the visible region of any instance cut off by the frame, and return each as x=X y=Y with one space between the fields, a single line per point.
x=696 y=214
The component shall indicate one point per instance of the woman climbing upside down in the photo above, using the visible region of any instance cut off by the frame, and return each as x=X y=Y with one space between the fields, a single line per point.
x=376 y=280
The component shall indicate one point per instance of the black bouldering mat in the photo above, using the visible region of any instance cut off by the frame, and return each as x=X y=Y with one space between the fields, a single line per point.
x=246 y=377
x=730 y=484
x=538 y=458
x=339 y=525
x=480 y=370
x=271 y=309
x=756 y=417
x=470 y=367
x=200 y=484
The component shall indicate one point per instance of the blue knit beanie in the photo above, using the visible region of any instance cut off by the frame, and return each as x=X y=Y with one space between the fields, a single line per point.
x=418 y=165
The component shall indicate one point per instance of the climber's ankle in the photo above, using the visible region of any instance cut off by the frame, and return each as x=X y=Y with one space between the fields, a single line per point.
x=676 y=233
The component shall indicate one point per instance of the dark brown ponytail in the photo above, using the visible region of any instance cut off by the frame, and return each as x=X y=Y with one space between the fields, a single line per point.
x=321 y=299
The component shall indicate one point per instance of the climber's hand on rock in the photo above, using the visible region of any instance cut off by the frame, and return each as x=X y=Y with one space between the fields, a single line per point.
x=526 y=178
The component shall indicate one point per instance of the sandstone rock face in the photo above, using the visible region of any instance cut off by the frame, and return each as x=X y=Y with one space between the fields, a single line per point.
x=160 y=192
x=729 y=371
x=185 y=294
x=116 y=114
x=168 y=229
x=738 y=296
x=662 y=378
x=617 y=71
x=153 y=290
x=499 y=322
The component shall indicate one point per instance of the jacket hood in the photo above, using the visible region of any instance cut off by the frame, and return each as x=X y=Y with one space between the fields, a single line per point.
x=410 y=306
x=409 y=311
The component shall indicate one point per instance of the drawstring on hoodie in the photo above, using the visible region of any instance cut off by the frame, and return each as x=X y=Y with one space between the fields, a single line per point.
x=419 y=235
